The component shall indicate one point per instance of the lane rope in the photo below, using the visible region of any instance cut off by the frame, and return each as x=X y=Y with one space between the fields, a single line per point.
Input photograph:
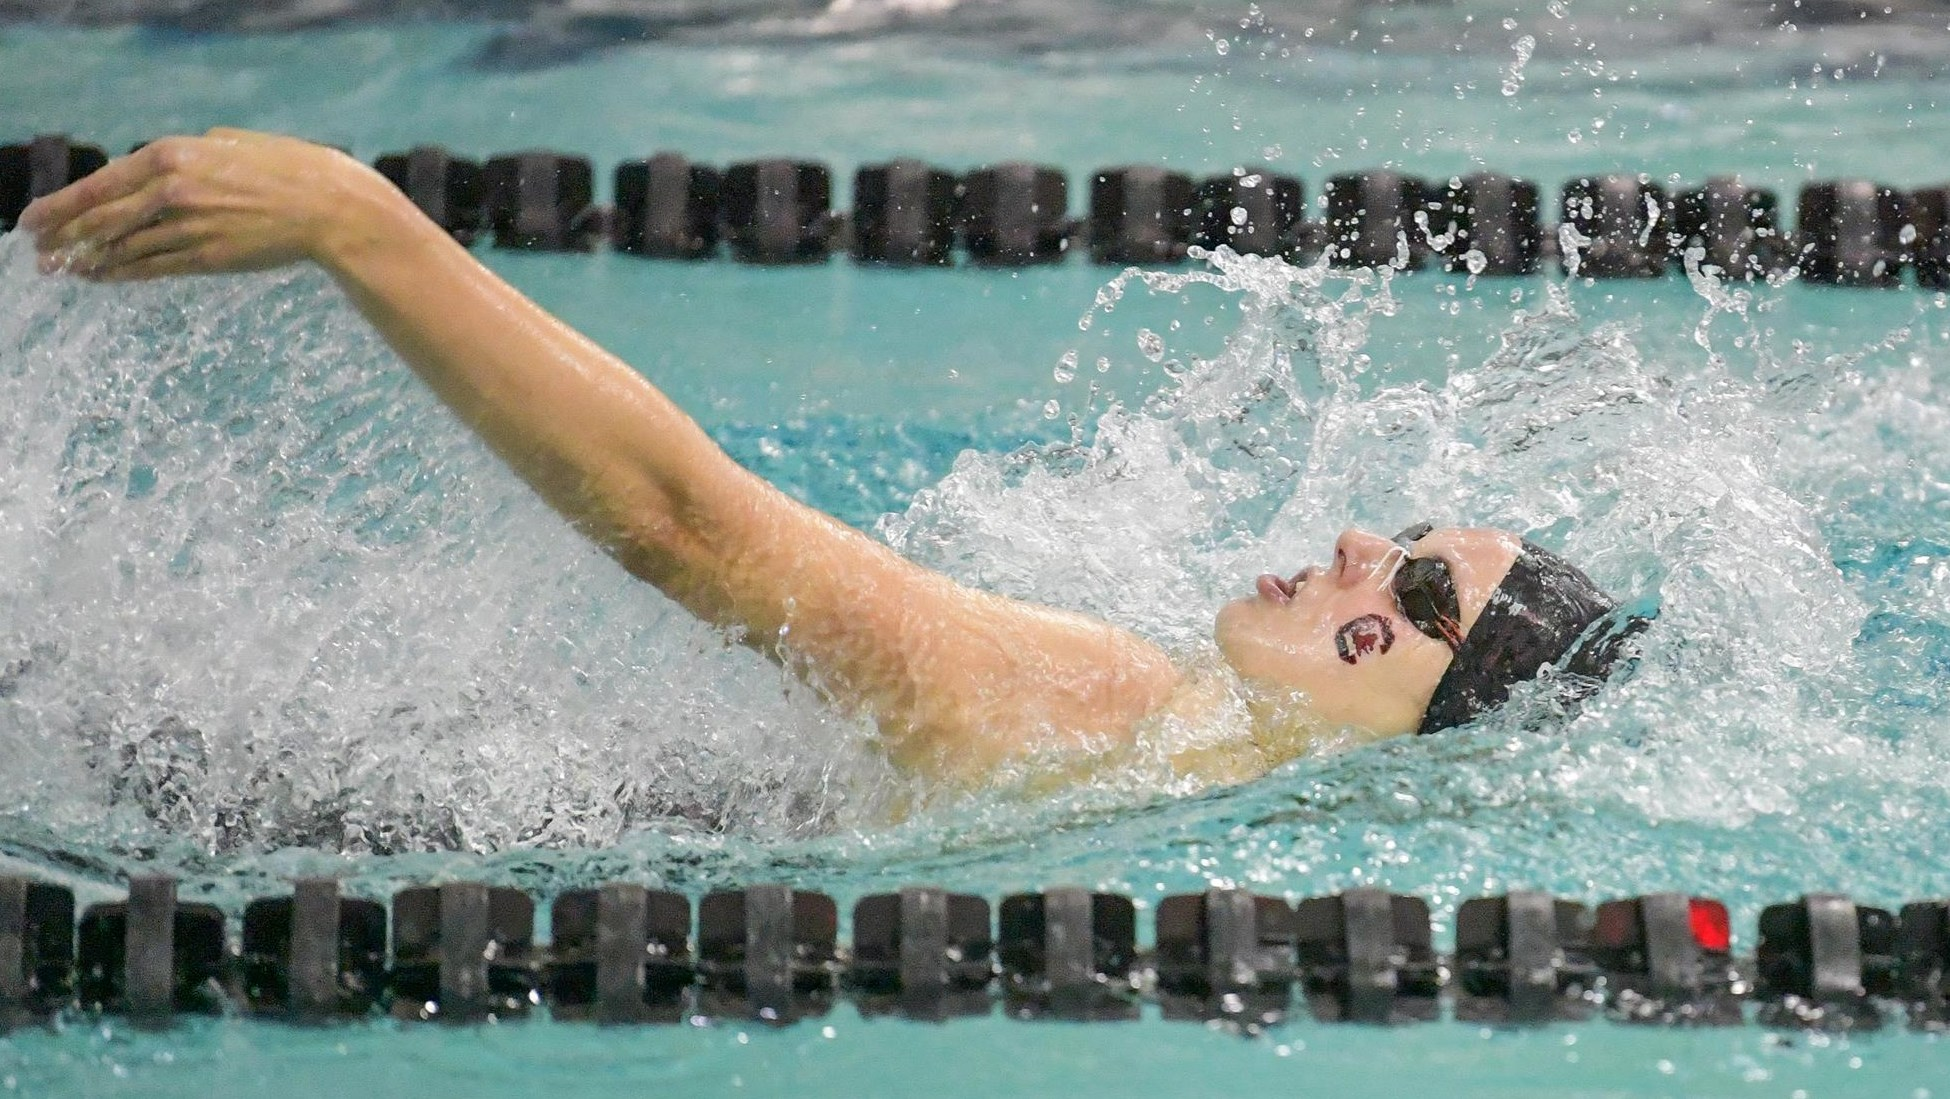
x=625 y=953
x=906 y=213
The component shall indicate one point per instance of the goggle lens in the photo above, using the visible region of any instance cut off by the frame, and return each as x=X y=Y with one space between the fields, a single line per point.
x=1425 y=591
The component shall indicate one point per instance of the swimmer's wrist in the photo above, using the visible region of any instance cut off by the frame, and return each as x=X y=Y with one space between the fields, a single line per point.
x=367 y=220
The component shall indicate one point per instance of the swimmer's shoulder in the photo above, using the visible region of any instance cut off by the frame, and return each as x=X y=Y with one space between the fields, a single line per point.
x=1212 y=732
x=1206 y=734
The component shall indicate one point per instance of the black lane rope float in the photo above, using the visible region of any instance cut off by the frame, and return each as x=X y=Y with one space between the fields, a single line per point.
x=1848 y=232
x=622 y=953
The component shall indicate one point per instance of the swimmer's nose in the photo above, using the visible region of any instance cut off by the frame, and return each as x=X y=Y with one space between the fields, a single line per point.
x=1360 y=556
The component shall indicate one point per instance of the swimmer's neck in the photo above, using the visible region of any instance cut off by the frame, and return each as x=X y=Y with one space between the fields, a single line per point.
x=1248 y=732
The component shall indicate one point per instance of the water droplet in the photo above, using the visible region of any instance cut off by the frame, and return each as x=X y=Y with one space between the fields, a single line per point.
x=1051 y=409
x=1066 y=368
x=1150 y=344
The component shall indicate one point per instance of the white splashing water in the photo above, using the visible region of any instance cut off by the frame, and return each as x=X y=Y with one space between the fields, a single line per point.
x=1522 y=49
x=257 y=589
x=1687 y=488
x=260 y=589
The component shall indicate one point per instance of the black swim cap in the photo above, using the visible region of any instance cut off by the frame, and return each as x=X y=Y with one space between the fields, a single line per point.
x=1545 y=608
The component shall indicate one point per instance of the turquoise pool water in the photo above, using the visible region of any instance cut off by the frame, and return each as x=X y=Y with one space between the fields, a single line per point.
x=265 y=610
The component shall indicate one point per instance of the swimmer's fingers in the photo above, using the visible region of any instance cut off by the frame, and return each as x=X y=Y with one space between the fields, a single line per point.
x=259 y=200
x=190 y=261
x=170 y=248
x=122 y=177
x=101 y=225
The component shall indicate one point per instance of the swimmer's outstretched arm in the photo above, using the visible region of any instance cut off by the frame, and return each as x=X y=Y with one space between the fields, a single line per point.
x=956 y=680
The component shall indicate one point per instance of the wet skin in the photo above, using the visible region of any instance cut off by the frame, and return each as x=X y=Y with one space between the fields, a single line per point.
x=1365 y=636
x=1288 y=641
x=958 y=682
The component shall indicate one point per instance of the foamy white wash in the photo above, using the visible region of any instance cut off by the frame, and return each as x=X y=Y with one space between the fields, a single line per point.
x=258 y=589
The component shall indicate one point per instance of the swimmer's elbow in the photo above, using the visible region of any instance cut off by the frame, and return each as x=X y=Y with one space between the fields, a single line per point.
x=670 y=555
x=630 y=518
x=688 y=544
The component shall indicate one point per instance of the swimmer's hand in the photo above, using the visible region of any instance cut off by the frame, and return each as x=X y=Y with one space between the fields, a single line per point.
x=228 y=201
x=958 y=682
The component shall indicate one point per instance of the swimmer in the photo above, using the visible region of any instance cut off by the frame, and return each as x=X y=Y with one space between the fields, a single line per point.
x=1411 y=634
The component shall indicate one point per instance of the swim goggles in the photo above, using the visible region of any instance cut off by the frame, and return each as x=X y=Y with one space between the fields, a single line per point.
x=1544 y=611
x=1425 y=591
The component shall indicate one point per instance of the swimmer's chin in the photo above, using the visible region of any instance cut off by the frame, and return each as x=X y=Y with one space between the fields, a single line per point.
x=1231 y=624
x=1244 y=635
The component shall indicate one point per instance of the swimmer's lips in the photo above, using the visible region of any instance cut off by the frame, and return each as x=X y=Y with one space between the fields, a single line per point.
x=1279 y=589
x=1365 y=636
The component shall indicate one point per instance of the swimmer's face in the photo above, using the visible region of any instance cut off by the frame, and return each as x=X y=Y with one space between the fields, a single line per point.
x=1332 y=640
